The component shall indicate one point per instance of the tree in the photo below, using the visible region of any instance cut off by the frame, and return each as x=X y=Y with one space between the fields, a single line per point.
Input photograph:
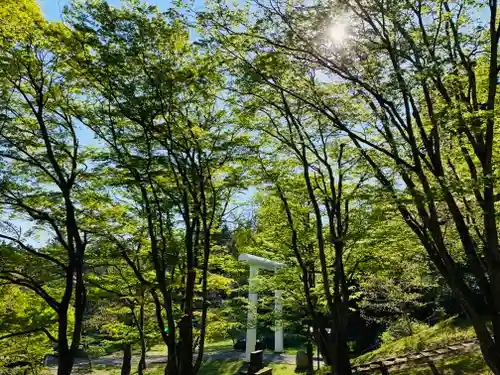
x=123 y=308
x=41 y=172
x=393 y=275
x=292 y=139
x=153 y=102
x=26 y=330
x=424 y=79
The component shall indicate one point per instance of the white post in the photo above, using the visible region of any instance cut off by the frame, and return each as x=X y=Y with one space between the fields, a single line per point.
x=278 y=331
x=252 y=312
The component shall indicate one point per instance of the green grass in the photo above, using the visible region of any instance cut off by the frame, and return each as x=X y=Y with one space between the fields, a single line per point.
x=210 y=347
x=232 y=367
x=293 y=350
x=281 y=369
x=210 y=367
x=219 y=346
x=470 y=364
x=443 y=333
x=222 y=367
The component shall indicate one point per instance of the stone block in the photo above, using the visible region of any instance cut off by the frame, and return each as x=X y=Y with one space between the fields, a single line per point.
x=301 y=361
x=256 y=361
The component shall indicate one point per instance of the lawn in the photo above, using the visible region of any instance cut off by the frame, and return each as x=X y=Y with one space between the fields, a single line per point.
x=219 y=346
x=210 y=347
x=232 y=367
x=209 y=367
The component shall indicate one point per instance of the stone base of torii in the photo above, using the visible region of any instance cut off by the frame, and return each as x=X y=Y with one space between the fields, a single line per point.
x=255 y=264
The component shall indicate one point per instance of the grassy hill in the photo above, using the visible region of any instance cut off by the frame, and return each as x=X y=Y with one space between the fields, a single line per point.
x=441 y=334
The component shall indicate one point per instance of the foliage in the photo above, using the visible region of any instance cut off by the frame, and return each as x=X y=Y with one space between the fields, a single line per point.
x=42 y=173
x=420 y=111
x=402 y=327
x=22 y=311
x=443 y=333
x=369 y=159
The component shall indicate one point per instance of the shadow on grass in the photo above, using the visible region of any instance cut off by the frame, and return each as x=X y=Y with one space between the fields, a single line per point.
x=221 y=367
x=208 y=367
x=469 y=364
x=232 y=367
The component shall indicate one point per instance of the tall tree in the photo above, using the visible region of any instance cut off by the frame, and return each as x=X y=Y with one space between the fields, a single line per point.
x=41 y=172
x=153 y=101
x=292 y=139
x=424 y=78
x=124 y=310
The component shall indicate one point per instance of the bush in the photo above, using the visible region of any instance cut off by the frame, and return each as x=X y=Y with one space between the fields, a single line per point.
x=400 y=328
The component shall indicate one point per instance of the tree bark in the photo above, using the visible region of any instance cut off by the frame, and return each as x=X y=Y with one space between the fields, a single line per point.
x=310 y=358
x=186 y=345
x=383 y=370
x=341 y=361
x=127 y=359
x=142 y=339
x=65 y=356
x=64 y=363
x=341 y=364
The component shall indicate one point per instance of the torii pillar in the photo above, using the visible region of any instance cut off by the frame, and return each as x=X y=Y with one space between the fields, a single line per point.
x=256 y=263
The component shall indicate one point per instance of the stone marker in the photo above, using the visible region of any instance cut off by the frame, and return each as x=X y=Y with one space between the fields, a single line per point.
x=256 y=361
x=256 y=366
x=301 y=361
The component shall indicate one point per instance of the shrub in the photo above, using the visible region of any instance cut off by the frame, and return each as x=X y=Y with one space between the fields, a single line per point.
x=400 y=328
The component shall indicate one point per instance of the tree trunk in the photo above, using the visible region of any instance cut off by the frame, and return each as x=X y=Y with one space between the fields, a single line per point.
x=383 y=370
x=322 y=341
x=204 y=296
x=127 y=359
x=172 y=360
x=341 y=364
x=142 y=339
x=186 y=324
x=65 y=363
x=310 y=358
x=491 y=355
x=186 y=345
x=65 y=355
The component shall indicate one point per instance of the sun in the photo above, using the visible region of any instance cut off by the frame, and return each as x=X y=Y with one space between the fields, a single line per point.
x=337 y=32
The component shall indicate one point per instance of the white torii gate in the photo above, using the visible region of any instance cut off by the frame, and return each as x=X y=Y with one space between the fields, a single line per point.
x=256 y=263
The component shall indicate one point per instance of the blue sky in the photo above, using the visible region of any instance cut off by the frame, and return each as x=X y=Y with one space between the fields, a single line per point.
x=52 y=8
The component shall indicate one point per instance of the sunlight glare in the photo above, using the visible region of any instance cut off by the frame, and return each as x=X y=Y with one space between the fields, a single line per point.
x=337 y=32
